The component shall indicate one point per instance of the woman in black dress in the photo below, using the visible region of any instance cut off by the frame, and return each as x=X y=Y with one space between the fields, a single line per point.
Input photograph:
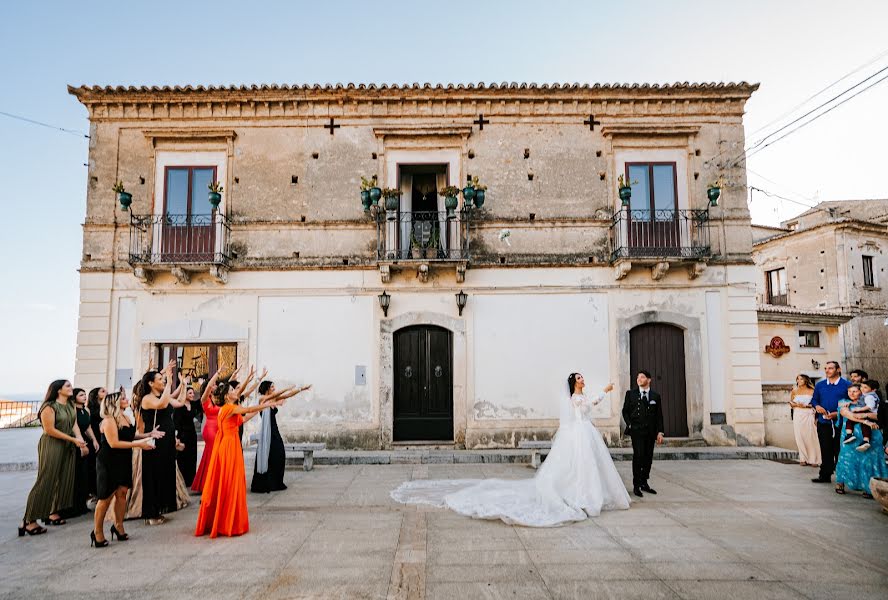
x=159 y=466
x=81 y=463
x=183 y=419
x=94 y=405
x=268 y=472
x=114 y=464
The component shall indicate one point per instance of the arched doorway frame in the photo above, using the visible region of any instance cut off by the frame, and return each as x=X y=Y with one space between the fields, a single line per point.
x=693 y=343
x=387 y=328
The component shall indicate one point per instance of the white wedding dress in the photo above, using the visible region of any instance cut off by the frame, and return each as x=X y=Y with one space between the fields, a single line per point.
x=577 y=480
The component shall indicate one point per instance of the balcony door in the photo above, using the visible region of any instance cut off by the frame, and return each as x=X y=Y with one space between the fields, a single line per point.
x=653 y=218
x=187 y=228
x=423 y=221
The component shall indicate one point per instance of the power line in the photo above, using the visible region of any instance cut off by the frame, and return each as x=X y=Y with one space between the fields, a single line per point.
x=830 y=109
x=812 y=96
x=33 y=122
x=833 y=84
x=773 y=195
x=813 y=110
x=760 y=176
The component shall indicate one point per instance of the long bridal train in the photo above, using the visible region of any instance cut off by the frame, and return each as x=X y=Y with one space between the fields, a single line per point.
x=577 y=480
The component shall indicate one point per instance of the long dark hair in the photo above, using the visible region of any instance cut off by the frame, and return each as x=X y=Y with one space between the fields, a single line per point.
x=807 y=380
x=264 y=387
x=52 y=394
x=76 y=393
x=147 y=380
x=92 y=401
x=136 y=402
x=572 y=382
x=221 y=391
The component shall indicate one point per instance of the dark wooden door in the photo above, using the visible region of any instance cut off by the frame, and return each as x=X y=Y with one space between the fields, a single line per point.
x=423 y=402
x=659 y=349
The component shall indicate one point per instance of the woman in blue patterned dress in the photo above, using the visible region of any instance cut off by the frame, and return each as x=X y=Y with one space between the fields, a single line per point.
x=855 y=469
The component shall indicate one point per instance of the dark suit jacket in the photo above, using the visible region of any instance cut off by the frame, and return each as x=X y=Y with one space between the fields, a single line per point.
x=640 y=417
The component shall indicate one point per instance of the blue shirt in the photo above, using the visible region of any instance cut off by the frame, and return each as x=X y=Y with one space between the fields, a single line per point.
x=828 y=395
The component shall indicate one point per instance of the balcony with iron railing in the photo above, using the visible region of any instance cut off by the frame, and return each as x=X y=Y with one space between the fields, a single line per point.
x=180 y=244
x=420 y=239
x=660 y=236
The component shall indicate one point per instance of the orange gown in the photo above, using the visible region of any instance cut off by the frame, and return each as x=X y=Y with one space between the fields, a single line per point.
x=223 y=503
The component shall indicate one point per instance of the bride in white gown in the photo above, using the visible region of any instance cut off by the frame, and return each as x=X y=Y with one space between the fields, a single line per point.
x=577 y=480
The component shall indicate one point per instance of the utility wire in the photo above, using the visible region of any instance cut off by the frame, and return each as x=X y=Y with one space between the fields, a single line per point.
x=813 y=110
x=833 y=84
x=812 y=96
x=33 y=122
x=791 y=131
x=760 y=176
x=773 y=195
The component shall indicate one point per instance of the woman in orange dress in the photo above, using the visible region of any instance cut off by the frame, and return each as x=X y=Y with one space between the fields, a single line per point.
x=223 y=504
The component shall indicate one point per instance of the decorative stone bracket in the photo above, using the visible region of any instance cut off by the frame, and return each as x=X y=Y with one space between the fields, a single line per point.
x=659 y=270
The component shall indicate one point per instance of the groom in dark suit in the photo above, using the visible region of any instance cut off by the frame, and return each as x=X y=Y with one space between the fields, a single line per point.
x=643 y=414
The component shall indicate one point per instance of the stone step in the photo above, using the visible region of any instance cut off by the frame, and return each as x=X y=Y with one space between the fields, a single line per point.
x=449 y=456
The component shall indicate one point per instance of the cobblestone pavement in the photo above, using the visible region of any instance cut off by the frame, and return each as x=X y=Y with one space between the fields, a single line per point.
x=717 y=529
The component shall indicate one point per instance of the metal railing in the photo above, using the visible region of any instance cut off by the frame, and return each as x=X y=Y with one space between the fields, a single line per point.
x=660 y=234
x=422 y=235
x=179 y=239
x=15 y=414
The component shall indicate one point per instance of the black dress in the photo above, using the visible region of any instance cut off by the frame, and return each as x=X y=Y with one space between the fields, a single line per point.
x=81 y=471
x=183 y=419
x=273 y=479
x=95 y=420
x=159 y=465
x=114 y=466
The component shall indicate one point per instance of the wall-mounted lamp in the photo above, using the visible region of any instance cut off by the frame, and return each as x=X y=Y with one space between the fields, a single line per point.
x=815 y=364
x=461 y=299
x=384 y=301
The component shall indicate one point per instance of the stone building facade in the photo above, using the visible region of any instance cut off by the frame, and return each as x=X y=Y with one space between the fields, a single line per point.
x=423 y=323
x=820 y=293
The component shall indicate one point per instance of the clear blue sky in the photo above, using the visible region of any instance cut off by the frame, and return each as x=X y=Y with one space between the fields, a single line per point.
x=793 y=48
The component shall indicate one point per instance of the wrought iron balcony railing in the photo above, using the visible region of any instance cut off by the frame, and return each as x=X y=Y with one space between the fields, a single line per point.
x=660 y=234
x=422 y=235
x=179 y=239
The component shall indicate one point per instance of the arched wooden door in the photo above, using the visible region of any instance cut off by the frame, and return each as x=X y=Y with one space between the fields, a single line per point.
x=423 y=395
x=659 y=349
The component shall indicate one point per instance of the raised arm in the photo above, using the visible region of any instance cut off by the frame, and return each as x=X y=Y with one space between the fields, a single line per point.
x=240 y=389
x=256 y=382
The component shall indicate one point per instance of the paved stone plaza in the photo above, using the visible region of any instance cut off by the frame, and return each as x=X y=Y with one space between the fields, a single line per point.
x=718 y=529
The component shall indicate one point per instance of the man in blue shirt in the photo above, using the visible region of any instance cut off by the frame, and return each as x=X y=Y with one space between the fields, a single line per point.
x=827 y=395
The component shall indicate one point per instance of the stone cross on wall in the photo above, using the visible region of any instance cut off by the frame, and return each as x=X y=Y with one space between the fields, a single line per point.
x=331 y=126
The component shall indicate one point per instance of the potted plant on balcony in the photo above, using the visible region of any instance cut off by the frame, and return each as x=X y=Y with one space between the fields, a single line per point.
x=392 y=198
x=450 y=192
x=415 y=249
x=375 y=191
x=431 y=251
x=468 y=193
x=625 y=187
x=480 y=191
x=366 y=196
x=713 y=191
x=123 y=196
x=215 y=196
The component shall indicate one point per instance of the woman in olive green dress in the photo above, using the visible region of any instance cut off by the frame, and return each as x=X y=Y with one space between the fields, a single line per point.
x=61 y=439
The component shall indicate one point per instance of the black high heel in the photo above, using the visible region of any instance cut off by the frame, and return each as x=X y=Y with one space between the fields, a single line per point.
x=36 y=531
x=122 y=537
x=94 y=542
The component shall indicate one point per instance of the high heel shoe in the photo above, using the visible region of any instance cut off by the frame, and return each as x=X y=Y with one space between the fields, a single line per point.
x=96 y=543
x=121 y=537
x=36 y=531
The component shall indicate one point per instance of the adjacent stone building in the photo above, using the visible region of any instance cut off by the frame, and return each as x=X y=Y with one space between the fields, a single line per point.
x=428 y=322
x=820 y=298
